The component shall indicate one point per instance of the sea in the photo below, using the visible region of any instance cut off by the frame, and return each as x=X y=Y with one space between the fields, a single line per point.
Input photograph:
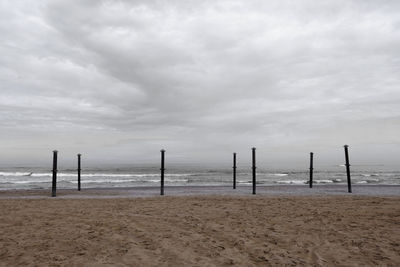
x=135 y=176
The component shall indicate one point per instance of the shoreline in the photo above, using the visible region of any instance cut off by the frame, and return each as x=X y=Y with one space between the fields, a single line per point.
x=262 y=190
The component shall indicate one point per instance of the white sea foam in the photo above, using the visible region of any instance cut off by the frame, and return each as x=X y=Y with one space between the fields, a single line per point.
x=15 y=173
x=126 y=180
x=292 y=182
x=323 y=181
x=49 y=174
x=369 y=175
x=368 y=181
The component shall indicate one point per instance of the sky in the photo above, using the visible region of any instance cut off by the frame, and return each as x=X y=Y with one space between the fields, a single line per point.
x=119 y=80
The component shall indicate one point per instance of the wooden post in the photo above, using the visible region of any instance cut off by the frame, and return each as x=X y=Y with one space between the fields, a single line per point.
x=79 y=172
x=346 y=153
x=254 y=169
x=234 y=170
x=54 y=184
x=162 y=171
x=311 y=169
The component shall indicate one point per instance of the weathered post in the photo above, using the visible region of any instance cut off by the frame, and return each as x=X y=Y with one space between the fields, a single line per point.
x=54 y=184
x=234 y=170
x=79 y=172
x=346 y=153
x=311 y=169
x=254 y=169
x=162 y=171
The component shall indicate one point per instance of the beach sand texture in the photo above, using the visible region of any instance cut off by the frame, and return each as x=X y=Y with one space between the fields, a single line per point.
x=201 y=231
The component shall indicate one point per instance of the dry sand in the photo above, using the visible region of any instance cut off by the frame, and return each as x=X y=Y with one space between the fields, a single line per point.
x=201 y=231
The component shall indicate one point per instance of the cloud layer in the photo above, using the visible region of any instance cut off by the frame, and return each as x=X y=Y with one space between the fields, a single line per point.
x=122 y=79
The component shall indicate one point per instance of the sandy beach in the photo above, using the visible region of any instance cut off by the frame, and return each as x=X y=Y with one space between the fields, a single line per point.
x=199 y=230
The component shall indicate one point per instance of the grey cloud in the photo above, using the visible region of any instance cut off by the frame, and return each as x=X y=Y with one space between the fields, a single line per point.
x=118 y=75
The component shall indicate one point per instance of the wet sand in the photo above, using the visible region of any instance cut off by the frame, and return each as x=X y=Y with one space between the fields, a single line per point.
x=198 y=230
x=275 y=190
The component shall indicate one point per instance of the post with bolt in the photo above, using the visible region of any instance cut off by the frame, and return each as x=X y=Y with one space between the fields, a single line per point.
x=79 y=172
x=54 y=183
x=311 y=169
x=234 y=170
x=162 y=171
x=254 y=169
x=346 y=153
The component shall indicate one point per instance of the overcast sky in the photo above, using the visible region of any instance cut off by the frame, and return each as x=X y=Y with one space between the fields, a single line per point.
x=119 y=80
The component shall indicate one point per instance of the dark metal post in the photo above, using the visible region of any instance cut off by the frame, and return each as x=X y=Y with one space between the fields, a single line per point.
x=254 y=170
x=54 y=184
x=162 y=171
x=79 y=172
x=234 y=170
x=311 y=169
x=346 y=153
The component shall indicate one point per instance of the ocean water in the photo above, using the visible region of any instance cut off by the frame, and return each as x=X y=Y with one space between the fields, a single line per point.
x=40 y=178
